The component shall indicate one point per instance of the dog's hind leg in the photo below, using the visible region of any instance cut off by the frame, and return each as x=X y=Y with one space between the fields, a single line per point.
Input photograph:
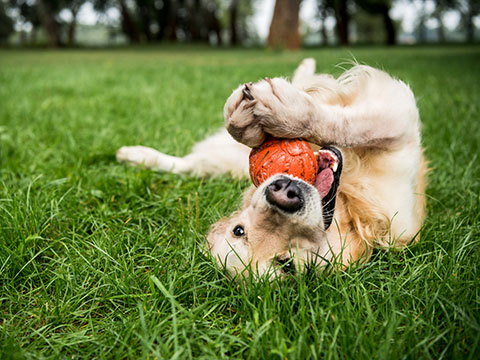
x=304 y=72
x=216 y=155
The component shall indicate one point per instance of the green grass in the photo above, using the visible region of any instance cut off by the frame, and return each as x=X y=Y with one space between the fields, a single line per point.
x=100 y=260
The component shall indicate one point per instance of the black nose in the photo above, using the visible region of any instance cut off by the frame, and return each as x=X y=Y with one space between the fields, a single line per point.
x=285 y=194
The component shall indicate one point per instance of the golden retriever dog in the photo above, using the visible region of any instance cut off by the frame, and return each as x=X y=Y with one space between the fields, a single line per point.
x=369 y=192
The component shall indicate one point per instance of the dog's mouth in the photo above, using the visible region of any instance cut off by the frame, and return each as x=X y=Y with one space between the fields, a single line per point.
x=330 y=163
x=287 y=193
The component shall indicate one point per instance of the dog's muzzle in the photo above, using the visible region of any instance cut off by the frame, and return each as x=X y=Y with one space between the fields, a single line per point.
x=289 y=195
x=285 y=194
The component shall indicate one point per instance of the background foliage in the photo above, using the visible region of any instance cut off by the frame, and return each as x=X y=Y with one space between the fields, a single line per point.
x=220 y=22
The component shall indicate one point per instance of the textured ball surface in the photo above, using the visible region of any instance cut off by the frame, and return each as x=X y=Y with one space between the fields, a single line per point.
x=283 y=156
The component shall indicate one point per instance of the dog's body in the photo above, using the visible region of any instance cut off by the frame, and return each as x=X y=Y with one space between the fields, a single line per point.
x=370 y=117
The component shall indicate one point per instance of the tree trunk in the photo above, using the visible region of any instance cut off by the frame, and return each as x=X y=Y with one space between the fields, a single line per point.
x=33 y=36
x=71 y=28
x=470 y=26
x=47 y=19
x=128 y=24
x=163 y=18
x=440 y=29
x=323 y=28
x=216 y=26
x=71 y=32
x=195 y=22
x=390 y=31
x=22 y=37
x=422 y=31
x=284 y=28
x=233 y=12
x=146 y=21
x=173 y=21
x=342 y=17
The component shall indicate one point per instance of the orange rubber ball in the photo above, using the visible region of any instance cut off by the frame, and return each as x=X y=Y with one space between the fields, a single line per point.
x=283 y=156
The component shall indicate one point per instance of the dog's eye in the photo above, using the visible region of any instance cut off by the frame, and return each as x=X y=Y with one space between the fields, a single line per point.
x=238 y=231
x=287 y=265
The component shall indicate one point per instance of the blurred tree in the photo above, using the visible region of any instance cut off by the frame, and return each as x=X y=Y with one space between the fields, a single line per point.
x=47 y=12
x=382 y=8
x=6 y=24
x=342 y=17
x=339 y=9
x=422 y=18
x=195 y=22
x=146 y=11
x=202 y=20
x=246 y=31
x=213 y=20
x=158 y=19
x=155 y=20
x=127 y=20
x=27 y=14
x=162 y=16
x=284 y=28
x=129 y=26
x=440 y=7
x=468 y=10
x=369 y=28
x=173 y=22
x=140 y=20
x=74 y=6
x=324 y=11
x=233 y=12
x=236 y=17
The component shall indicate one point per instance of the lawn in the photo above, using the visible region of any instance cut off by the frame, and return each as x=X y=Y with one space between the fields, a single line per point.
x=101 y=260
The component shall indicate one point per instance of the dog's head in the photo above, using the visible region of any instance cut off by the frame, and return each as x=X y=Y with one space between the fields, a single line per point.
x=281 y=225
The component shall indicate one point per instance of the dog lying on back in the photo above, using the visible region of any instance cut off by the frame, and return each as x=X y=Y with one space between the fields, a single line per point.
x=368 y=124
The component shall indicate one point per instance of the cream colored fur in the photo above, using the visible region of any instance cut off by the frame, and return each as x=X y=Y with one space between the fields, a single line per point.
x=370 y=116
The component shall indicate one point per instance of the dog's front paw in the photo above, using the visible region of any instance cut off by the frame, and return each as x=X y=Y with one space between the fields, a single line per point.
x=270 y=106
x=240 y=120
x=138 y=155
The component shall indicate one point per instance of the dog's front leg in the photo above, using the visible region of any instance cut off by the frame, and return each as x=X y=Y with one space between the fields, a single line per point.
x=380 y=112
x=374 y=110
x=152 y=159
x=268 y=107
x=216 y=155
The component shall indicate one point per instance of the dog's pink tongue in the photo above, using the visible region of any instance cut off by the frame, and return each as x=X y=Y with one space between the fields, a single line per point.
x=324 y=181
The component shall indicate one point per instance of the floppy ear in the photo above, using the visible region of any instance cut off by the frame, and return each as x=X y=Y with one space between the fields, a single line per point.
x=247 y=196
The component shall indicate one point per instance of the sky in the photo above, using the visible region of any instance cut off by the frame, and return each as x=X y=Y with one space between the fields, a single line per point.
x=404 y=10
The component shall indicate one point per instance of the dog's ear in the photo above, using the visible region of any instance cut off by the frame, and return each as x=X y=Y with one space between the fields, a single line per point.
x=247 y=196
